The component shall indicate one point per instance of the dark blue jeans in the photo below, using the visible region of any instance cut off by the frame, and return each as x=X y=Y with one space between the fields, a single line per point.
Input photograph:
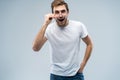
x=78 y=76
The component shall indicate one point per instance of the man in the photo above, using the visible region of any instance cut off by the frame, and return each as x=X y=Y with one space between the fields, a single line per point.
x=64 y=36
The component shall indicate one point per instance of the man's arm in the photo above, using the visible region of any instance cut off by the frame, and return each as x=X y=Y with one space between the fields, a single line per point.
x=40 y=39
x=88 y=51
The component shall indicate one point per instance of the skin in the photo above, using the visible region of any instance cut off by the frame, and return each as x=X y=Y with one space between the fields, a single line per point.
x=60 y=14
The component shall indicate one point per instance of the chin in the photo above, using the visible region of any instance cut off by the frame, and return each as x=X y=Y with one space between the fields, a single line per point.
x=61 y=24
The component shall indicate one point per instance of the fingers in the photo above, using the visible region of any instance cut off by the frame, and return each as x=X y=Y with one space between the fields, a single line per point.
x=50 y=16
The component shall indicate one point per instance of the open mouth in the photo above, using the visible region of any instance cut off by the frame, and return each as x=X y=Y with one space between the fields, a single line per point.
x=61 y=19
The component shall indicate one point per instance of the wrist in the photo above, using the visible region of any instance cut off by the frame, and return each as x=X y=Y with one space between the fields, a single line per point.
x=45 y=24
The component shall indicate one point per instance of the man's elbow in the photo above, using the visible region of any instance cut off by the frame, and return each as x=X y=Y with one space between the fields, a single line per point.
x=91 y=46
x=35 y=49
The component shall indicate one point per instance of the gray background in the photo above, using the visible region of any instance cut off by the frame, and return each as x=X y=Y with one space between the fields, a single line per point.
x=20 y=20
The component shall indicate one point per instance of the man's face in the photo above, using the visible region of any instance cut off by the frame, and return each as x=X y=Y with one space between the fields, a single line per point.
x=61 y=15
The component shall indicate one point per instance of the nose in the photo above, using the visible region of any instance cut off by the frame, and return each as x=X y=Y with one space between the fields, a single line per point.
x=60 y=15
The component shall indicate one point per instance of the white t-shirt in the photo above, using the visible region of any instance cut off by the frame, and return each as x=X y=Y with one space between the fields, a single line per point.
x=65 y=47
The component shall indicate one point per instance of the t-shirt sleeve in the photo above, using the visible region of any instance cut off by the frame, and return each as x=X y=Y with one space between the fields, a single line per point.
x=84 y=31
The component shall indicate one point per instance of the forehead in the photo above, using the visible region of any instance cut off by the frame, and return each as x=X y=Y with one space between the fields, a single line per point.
x=59 y=8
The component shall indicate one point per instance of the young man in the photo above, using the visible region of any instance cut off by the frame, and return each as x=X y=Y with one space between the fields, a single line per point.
x=64 y=36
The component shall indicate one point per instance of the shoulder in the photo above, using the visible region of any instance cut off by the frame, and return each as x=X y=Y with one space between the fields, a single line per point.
x=77 y=23
x=51 y=26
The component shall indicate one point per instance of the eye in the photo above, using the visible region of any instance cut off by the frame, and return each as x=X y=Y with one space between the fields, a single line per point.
x=63 y=11
x=56 y=12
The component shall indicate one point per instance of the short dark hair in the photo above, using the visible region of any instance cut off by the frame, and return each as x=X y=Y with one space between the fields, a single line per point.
x=58 y=3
